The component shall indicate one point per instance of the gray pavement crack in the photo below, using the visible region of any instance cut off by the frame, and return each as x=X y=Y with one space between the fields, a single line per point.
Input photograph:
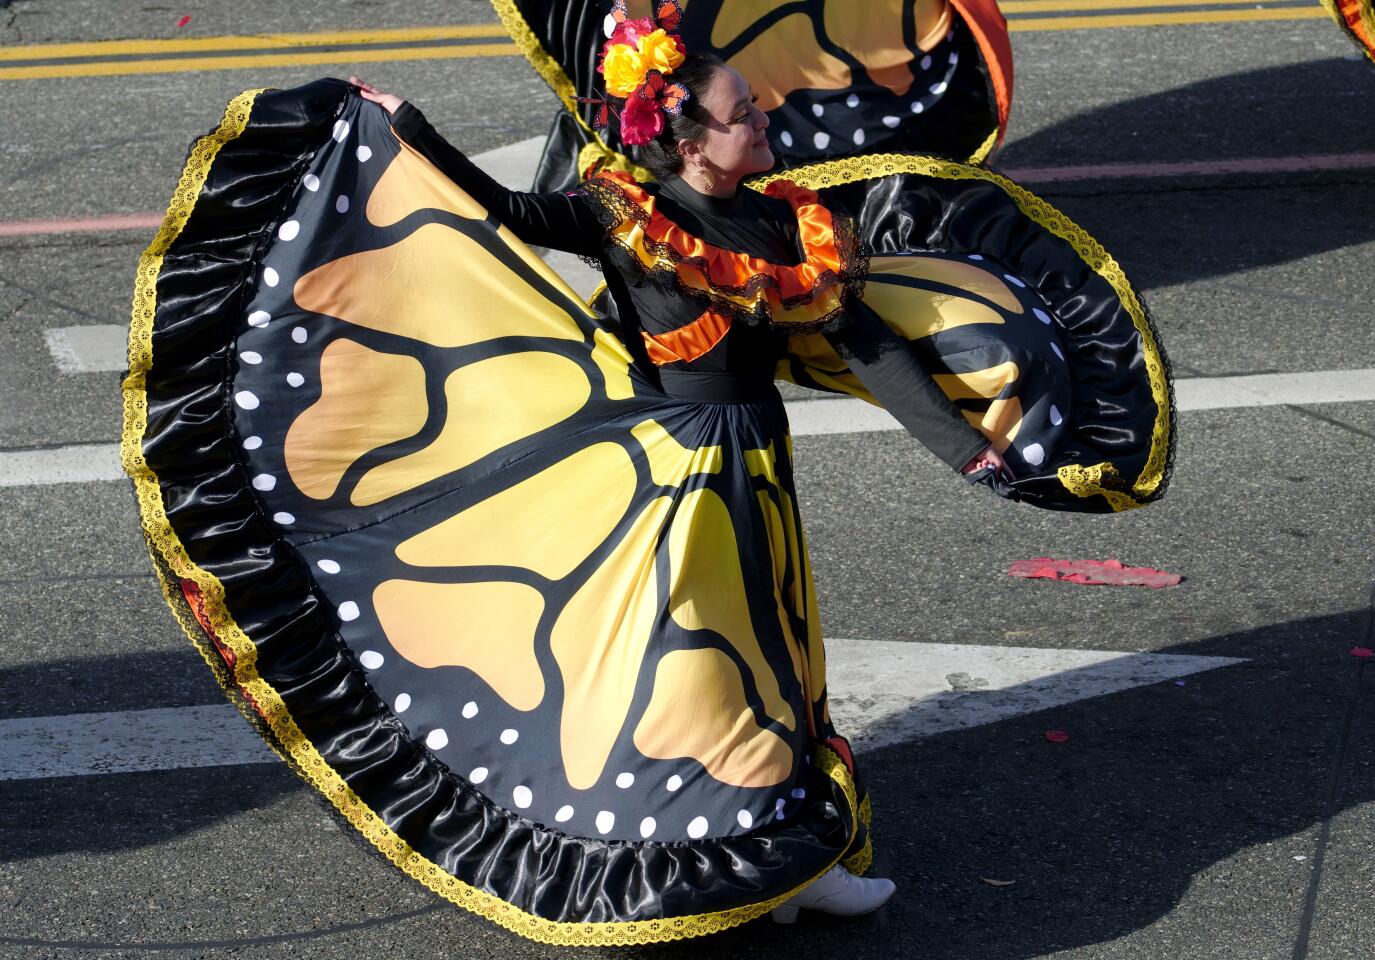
x=73 y=578
x=1334 y=787
x=188 y=945
x=1333 y=421
x=40 y=296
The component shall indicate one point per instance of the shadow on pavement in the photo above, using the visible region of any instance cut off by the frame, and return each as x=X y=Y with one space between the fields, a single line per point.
x=1313 y=108
x=1102 y=835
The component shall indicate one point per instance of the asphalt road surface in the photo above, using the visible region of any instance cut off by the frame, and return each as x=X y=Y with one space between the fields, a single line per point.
x=1210 y=809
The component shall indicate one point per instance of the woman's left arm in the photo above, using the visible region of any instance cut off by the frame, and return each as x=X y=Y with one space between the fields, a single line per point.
x=888 y=368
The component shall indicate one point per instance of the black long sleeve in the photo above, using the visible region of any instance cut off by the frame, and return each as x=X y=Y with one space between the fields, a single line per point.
x=898 y=380
x=556 y=220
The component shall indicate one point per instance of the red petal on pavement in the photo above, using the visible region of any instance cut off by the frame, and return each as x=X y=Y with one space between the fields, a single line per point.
x=1057 y=736
x=1103 y=572
x=184 y=20
x=1362 y=652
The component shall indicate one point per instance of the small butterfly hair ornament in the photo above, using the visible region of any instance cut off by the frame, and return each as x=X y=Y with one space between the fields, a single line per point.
x=638 y=56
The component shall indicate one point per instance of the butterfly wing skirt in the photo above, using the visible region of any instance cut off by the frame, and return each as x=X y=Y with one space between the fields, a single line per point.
x=545 y=636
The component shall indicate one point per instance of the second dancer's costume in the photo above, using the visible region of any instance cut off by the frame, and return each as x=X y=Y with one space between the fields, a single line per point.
x=1357 y=20
x=522 y=589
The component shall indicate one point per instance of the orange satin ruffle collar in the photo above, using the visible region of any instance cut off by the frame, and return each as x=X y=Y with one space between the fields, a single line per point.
x=795 y=297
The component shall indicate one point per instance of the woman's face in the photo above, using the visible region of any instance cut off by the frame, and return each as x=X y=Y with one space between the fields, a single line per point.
x=733 y=145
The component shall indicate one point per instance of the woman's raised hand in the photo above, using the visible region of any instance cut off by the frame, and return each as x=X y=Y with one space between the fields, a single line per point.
x=388 y=101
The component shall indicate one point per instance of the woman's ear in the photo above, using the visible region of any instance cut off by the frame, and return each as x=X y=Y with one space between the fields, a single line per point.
x=690 y=151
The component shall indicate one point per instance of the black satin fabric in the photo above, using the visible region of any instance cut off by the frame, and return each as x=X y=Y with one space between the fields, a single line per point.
x=1114 y=410
x=207 y=278
x=955 y=125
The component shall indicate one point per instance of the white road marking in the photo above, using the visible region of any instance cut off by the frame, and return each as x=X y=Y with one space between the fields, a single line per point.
x=80 y=463
x=103 y=347
x=882 y=692
x=514 y=165
x=849 y=415
x=88 y=349
x=87 y=463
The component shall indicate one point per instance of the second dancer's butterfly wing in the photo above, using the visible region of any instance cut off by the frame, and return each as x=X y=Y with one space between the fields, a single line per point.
x=907 y=75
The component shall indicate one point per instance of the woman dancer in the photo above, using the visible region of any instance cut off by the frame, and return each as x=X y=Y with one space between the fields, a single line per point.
x=700 y=152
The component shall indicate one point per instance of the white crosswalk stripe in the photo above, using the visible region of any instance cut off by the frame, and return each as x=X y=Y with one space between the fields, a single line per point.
x=882 y=692
x=88 y=463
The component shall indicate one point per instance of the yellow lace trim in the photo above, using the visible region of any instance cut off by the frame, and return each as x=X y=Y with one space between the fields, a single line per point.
x=1086 y=482
x=1101 y=479
x=291 y=743
x=608 y=160
x=548 y=68
x=592 y=297
x=545 y=65
x=860 y=862
x=981 y=154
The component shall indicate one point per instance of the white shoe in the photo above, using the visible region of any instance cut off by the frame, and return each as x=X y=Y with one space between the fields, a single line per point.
x=838 y=892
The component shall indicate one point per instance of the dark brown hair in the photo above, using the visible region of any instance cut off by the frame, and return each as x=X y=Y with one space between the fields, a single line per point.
x=660 y=156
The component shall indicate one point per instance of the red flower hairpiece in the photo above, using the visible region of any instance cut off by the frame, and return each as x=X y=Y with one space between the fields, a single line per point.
x=637 y=56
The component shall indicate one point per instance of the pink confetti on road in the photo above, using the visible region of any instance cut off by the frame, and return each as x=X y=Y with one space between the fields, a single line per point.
x=1057 y=736
x=184 y=20
x=1099 y=572
x=1362 y=652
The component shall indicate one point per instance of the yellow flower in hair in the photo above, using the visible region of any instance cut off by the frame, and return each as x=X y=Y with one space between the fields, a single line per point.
x=623 y=69
x=660 y=51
